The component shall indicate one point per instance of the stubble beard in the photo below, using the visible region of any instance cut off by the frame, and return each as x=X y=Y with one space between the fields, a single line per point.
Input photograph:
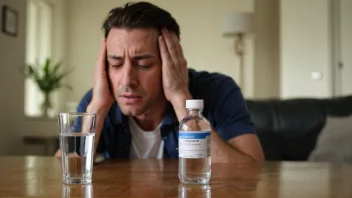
x=134 y=110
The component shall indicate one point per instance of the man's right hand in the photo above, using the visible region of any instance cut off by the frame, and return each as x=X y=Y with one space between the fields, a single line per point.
x=102 y=96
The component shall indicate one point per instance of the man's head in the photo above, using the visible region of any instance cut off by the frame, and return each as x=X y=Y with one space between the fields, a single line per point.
x=140 y=15
x=134 y=63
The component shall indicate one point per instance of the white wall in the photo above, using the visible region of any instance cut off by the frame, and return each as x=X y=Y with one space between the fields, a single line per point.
x=200 y=23
x=305 y=45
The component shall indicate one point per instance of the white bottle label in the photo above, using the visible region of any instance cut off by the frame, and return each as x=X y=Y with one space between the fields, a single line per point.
x=194 y=144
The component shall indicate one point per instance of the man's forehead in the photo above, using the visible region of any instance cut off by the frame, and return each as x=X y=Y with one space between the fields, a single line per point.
x=138 y=40
x=124 y=34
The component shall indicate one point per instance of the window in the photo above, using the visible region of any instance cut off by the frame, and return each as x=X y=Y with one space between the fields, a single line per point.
x=38 y=48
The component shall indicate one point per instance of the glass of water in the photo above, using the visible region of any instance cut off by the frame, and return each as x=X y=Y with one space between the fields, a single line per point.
x=77 y=132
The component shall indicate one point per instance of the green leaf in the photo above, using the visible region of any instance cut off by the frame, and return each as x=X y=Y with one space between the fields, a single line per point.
x=32 y=73
x=48 y=77
x=46 y=67
x=56 y=68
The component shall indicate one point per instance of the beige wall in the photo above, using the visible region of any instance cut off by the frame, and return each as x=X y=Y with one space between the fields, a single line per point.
x=305 y=48
x=346 y=47
x=200 y=23
x=76 y=39
x=201 y=29
x=266 y=75
x=12 y=50
x=59 y=48
x=13 y=124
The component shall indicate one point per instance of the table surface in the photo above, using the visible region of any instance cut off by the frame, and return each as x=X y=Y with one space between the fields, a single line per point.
x=41 y=177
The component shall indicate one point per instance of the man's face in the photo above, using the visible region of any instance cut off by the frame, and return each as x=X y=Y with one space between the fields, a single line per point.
x=134 y=69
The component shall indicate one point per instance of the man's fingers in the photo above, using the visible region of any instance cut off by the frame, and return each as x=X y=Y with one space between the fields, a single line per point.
x=177 y=44
x=180 y=60
x=164 y=53
x=102 y=52
x=102 y=55
x=101 y=61
x=170 y=44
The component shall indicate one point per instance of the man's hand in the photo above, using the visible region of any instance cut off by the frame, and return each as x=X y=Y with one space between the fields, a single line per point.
x=102 y=96
x=174 y=66
x=174 y=72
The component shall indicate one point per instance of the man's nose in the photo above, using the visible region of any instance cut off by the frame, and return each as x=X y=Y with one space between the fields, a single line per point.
x=128 y=78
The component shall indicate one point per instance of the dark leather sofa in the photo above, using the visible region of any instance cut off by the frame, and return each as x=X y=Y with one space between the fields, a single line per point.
x=288 y=129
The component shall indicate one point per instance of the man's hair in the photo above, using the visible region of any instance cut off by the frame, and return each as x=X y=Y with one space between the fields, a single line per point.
x=140 y=15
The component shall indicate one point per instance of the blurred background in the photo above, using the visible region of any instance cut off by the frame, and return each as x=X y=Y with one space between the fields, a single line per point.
x=292 y=49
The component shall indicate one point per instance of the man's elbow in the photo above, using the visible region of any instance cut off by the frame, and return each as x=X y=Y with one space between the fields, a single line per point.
x=250 y=148
x=259 y=159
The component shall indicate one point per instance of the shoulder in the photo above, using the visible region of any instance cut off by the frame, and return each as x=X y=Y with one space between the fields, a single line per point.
x=86 y=99
x=197 y=79
x=224 y=105
x=88 y=95
x=204 y=84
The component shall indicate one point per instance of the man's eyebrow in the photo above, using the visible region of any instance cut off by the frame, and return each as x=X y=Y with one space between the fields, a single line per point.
x=136 y=57
x=115 y=57
x=143 y=56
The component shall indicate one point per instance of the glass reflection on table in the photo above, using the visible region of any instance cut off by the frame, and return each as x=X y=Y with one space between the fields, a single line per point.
x=194 y=190
x=69 y=191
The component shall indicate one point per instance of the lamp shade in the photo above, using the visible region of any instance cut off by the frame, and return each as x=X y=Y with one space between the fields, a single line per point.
x=238 y=22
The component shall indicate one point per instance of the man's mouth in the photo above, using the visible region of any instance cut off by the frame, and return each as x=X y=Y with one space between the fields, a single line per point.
x=131 y=98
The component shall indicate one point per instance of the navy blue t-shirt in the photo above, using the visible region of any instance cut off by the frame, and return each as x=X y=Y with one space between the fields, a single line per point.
x=224 y=108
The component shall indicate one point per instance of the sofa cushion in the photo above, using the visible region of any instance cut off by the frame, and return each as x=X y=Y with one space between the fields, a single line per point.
x=287 y=129
x=293 y=118
x=335 y=141
x=339 y=106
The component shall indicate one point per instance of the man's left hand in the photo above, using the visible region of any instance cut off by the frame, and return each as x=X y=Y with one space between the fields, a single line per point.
x=174 y=67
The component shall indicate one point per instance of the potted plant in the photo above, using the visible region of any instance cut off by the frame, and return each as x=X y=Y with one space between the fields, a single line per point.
x=48 y=78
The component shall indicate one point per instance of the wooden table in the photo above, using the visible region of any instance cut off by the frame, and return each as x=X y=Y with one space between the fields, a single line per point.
x=41 y=177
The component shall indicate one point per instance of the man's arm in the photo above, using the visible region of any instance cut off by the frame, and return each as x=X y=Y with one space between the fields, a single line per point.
x=102 y=98
x=100 y=117
x=242 y=149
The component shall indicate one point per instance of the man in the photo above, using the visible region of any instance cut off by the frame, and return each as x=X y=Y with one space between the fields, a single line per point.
x=141 y=82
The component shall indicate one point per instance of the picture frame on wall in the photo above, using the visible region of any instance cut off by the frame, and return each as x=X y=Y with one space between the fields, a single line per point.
x=9 y=21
